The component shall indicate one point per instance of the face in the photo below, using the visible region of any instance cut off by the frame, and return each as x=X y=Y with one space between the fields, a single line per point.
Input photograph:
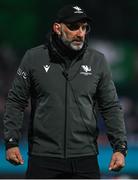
x=73 y=35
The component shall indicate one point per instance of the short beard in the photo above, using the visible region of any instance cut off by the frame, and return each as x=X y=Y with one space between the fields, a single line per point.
x=70 y=43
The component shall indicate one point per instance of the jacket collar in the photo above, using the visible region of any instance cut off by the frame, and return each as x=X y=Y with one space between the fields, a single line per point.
x=60 y=53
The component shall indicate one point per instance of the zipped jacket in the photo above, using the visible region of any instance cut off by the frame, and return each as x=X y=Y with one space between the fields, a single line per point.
x=63 y=114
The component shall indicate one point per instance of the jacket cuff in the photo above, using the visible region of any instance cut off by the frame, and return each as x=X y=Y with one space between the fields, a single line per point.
x=122 y=148
x=8 y=146
x=11 y=143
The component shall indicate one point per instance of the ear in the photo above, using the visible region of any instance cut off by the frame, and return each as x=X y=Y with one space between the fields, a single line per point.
x=57 y=28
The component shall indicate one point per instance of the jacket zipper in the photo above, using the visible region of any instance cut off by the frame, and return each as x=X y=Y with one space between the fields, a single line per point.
x=65 y=128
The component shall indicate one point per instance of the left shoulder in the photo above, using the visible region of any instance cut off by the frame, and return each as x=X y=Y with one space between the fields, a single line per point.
x=94 y=56
x=95 y=53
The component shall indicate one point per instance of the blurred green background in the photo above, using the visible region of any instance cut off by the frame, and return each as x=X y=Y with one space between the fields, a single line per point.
x=24 y=24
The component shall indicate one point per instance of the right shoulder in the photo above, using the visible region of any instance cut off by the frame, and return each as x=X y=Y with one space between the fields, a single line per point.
x=36 y=54
x=37 y=50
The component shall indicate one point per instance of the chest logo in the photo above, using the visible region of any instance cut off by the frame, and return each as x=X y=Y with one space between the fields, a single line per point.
x=46 y=67
x=86 y=70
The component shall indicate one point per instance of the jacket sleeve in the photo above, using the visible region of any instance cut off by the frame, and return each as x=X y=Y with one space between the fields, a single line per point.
x=16 y=102
x=111 y=109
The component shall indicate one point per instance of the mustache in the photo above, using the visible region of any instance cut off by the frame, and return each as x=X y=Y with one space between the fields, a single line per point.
x=78 y=39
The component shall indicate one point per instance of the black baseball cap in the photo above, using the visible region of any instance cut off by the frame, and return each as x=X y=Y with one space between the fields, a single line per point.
x=71 y=14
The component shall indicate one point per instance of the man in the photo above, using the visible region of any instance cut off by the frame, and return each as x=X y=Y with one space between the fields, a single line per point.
x=65 y=80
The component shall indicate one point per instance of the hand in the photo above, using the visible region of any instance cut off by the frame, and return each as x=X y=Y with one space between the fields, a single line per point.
x=117 y=161
x=13 y=155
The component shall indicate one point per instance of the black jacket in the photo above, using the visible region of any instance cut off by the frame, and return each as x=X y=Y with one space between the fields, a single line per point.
x=63 y=116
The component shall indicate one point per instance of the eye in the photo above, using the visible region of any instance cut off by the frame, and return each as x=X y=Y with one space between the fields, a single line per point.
x=86 y=28
x=75 y=27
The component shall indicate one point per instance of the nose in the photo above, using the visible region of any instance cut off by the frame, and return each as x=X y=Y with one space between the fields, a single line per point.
x=81 y=32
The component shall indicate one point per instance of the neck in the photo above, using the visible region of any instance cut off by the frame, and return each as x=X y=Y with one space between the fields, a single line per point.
x=65 y=50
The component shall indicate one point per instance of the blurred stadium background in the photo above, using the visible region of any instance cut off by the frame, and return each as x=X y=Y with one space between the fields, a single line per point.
x=24 y=23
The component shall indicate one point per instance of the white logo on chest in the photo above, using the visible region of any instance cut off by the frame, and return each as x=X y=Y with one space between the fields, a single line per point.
x=46 y=67
x=86 y=70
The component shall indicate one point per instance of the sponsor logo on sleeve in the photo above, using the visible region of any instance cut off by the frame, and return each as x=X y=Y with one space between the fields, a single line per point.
x=22 y=73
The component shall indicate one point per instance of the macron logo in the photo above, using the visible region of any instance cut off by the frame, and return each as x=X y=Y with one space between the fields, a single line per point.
x=46 y=67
